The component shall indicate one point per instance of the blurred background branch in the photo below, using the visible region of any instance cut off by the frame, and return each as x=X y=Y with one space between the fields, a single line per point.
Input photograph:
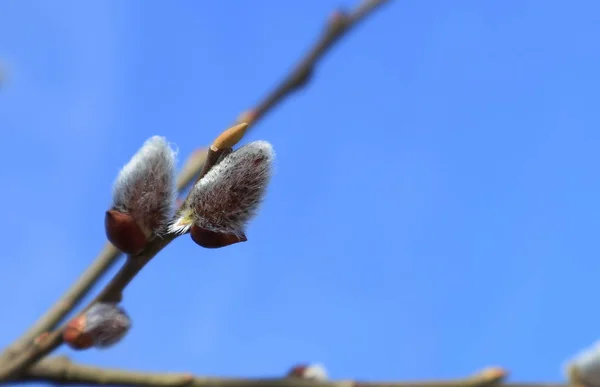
x=61 y=370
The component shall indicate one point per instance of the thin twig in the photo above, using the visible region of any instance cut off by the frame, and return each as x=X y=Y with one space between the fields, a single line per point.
x=26 y=350
x=111 y=292
x=61 y=370
x=103 y=263
x=339 y=24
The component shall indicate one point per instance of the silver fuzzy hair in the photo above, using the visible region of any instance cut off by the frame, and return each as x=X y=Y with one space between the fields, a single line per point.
x=107 y=324
x=229 y=195
x=315 y=372
x=586 y=364
x=145 y=187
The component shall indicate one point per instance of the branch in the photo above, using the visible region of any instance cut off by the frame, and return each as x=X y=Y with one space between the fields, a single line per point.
x=46 y=343
x=103 y=262
x=339 y=24
x=61 y=370
x=27 y=350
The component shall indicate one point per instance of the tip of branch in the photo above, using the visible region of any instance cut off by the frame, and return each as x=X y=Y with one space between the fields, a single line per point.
x=337 y=16
x=230 y=137
x=338 y=21
x=249 y=116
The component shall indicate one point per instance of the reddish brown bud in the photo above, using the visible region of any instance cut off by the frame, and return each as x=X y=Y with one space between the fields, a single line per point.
x=124 y=232
x=75 y=336
x=314 y=372
x=296 y=371
x=214 y=240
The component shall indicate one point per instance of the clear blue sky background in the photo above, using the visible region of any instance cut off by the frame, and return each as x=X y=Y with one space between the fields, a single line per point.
x=450 y=222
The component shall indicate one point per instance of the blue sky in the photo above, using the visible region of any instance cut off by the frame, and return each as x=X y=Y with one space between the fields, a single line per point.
x=450 y=222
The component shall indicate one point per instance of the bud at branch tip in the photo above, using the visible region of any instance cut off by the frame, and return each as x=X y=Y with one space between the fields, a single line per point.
x=230 y=137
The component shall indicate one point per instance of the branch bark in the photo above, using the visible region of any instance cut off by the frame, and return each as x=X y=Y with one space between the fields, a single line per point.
x=31 y=347
x=105 y=260
x=338 y=25
x=61 y=370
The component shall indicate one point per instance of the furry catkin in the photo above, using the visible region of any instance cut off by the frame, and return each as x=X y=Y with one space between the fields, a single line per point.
x=584 y=368
x=145 y=187
x=316 y=372
x=229 y=195
x=107 y=324
x=103 y=325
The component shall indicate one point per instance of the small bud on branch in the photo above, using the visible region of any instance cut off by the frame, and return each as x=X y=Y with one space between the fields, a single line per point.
x=316 y=372
x=143 y=197
x=230 y=137
x=102 y=326
x=222 y=203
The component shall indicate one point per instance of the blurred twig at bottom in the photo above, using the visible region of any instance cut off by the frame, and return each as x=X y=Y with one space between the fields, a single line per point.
x=61 y=370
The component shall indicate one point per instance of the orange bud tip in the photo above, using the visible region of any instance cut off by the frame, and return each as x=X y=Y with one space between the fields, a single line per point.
x=124 y=233
x=74 y=334
x=214 y=240
x=230 y=137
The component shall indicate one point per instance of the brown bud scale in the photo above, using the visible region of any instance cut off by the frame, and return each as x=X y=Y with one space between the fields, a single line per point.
x=124 y=232
x=214 y=240
x=74 y=334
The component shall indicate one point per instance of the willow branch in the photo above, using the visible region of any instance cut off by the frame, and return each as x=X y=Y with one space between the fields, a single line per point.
x=338 y=25
x=27 y=350
x=111 y=293
x=60 y=370
x=103 y=263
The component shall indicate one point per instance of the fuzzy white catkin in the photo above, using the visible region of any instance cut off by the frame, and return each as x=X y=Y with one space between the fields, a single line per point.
x=587 y=365
x=145 y=187
x=229 y=195
x=107 y=324
x=315 y=372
